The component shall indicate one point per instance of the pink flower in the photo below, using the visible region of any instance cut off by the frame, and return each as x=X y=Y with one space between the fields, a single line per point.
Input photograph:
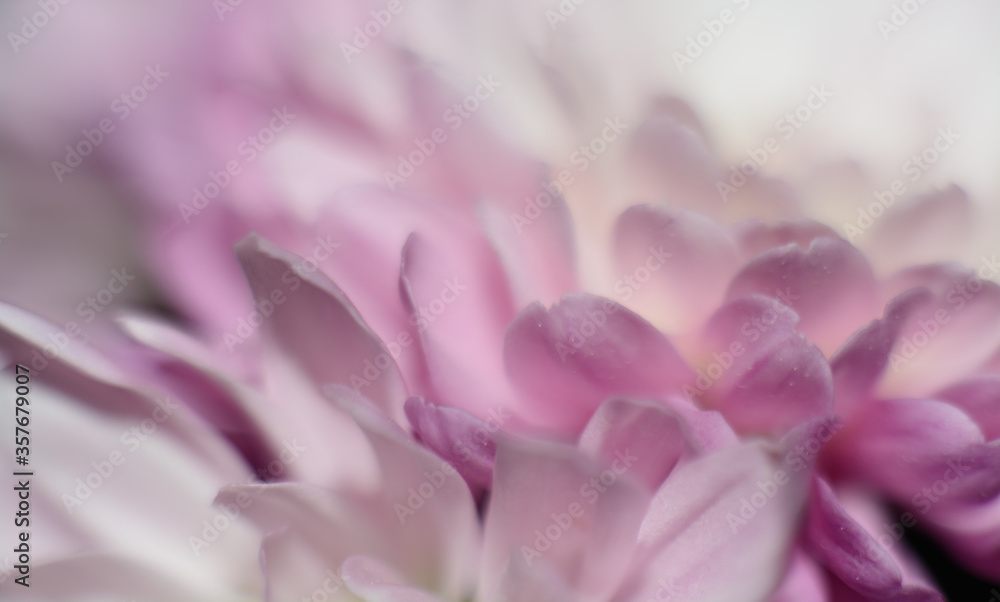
x=421 y=352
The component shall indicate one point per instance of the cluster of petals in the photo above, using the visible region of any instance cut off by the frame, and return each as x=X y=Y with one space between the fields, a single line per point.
x=422 y=402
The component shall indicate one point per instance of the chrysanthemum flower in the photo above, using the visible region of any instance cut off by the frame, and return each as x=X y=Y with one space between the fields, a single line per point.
x=412 y=361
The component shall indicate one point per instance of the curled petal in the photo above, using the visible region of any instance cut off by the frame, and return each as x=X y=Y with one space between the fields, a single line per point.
x=829 y=285
x=762 y=374
x=581 y=351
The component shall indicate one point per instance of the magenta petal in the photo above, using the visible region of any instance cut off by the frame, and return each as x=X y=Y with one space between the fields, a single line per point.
x=846 y=548
x=463 y=441
x=655 y=435
x=764 y=376
x=904 y=446
x=581 y=351
x=853 y=555
x=674 y=265
x=318 y=326
x=979 y=397
x=830 y=285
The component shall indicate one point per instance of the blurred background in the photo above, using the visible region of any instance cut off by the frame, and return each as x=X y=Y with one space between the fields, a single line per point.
x=140 y=139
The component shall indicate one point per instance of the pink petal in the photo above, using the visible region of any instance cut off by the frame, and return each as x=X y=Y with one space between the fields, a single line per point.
x=583 y=350
x=705 y=538
x=979 y=397
x=439 y=532
x=538 y=581
x=317 y=325
x=372 y=226
x=653 y=433
x=861 y=361
x=465 y=442
x=420 y=519
x=929 y=228
x=195 y=263
x=762 y=374
x=946 y=339
x=829 y=285
x=372 y=580
x=188 y=369
x=707 y=429
x=754 y=236
x=257 y=423
x=461 y=305
x=101 y=382
x=674 y=265
x=294 y=569
x=669 y=151
x=804 y=581
x=68 y=363
x=535 y=246
x=905 y=446
x=129 y=484
x=551 y=508
x=848 y=550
